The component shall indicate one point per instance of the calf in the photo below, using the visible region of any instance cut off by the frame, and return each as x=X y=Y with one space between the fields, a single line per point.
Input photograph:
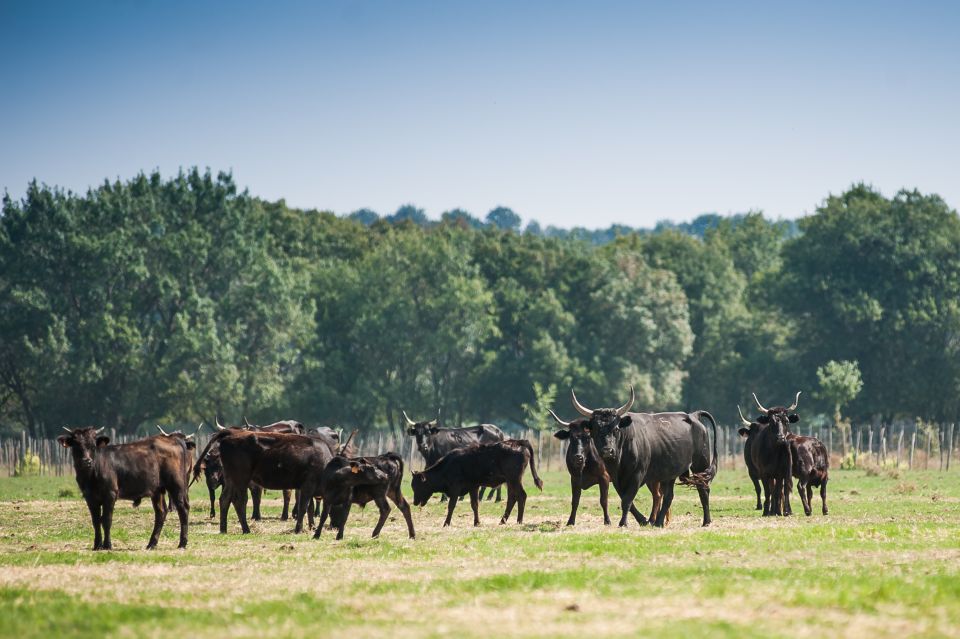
x=276 y=461
x=464 y=470
x=811 y=465
x=149 y=467
x=361 y=480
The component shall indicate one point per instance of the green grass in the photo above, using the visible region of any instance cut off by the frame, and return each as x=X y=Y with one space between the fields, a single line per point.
x=884 y=563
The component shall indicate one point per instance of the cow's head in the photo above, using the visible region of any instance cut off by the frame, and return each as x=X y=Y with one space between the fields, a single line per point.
x=778 y=417
x=605 y=425
x=422 y=430
x=360 y=472
x=422 y=488
x=579 y=442
x=83 y=444
x=749 y=428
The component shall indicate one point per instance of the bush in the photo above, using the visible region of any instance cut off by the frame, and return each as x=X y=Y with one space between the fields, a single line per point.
x=28 y=466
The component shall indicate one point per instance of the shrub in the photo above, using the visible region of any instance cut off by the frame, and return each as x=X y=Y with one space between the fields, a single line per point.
x=29 y=465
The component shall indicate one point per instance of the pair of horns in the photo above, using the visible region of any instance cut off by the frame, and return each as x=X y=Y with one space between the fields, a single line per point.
x=199 y=426
x=410 y=422
x=588 y=412
x=796 y=401
x=96 y=432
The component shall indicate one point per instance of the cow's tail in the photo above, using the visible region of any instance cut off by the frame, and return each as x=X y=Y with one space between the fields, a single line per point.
x=197 y=468
x=399 y=460
x=704 y=478
x=533 y=463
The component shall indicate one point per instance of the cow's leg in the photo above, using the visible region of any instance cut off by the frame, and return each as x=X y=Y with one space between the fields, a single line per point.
x=666 y=489
x=226 y=498
x=511 y=500
x=575 y=491
x=404 y=507
x=381 y=502
x=474 y=504
x=704 y=492
x=804 y=489
x=521 y=501
x=323 y=519
x=256 y=494
x=823 y=495
x=756 y=487
x=787 y=489
x=626 y=504
x=159 y=514
x=96 y=518
x=499 y=488
x=451 y=504
x=656 y=496
x=771 y=498
x=240 y=505
x=213 y=497
x=604 y=486
x=304 y=494
x=181 y=501
x=285 y=515
x=106 y=521
x=483 y=490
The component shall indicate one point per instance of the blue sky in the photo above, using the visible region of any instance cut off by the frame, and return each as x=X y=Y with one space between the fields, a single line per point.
x=570 y=113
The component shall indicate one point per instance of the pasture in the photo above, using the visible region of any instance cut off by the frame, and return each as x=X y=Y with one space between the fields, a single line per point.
x=884 y=563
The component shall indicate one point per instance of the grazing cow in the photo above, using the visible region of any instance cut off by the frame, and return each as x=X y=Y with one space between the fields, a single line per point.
x=771 y=456
x=811 y=465
x=434 y=442
x=274 y=461
x=464 y=470
x=647 y=448
x=150 y=467
x=586 y=469
x=749 y=432
x=360 y=480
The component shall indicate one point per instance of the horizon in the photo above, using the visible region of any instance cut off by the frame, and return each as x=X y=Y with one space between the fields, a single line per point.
x=570 y=116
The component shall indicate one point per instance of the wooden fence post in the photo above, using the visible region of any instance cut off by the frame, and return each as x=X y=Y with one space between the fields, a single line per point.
x=913 y=444
x=950 y=447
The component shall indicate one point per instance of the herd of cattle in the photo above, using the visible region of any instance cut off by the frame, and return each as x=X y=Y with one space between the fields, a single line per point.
x=605 y=445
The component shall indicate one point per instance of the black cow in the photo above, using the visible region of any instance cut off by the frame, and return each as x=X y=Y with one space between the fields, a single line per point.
x=587 y=469
x=771 y=456
x=347 y=481
x=647 y=448
x=150 y=467
x=274 y=461
x=434 y=442
x=749 y=432
x=811 y=466
x=464 y=470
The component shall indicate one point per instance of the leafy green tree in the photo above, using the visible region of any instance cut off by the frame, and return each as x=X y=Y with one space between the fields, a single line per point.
x=840 y=383
x=504 y=219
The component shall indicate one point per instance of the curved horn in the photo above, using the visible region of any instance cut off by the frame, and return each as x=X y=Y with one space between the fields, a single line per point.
x=67 y=429
x=216 y=421
x=162 y=431
x=796 y=400
x=583 y=410
x=759 y=405
x=436 y=420
x=99 y=430
x=626 y=407
x=746 y=422
x=410 y=422
x=199 y=426
x=559 y=421
x=245 y=422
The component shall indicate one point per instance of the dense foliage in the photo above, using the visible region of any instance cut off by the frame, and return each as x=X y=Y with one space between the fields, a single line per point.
x=180 y=299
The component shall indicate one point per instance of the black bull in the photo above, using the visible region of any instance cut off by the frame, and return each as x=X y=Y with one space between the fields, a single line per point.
x=643 y=448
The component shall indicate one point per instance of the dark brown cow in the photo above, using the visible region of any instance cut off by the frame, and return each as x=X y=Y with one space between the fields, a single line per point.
x=811 y=467
x=275 y=461
x=149 y=467
x=771 y=456
x=464 y=470
x=586 y=469
x=347 y=481
x=748 y=432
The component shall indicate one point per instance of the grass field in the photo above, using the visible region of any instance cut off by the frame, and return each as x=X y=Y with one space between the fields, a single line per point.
x=884 y=563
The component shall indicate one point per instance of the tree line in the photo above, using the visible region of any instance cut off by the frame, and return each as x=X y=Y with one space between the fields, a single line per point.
x=181 y=299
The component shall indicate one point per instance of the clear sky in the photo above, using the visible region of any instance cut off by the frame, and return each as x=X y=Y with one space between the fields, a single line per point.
x=582 y=113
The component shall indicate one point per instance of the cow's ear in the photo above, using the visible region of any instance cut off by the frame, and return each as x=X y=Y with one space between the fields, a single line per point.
x=744 y=432
x=421 y=477
x=763 y=419
x=626 y=421
x=64 y=440
x=411 y=431
x=562 y=434
x=434 y=430
x=354 y=467
x=793 y=419
x=103 y=440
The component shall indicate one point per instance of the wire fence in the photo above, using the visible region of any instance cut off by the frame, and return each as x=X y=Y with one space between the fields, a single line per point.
x=901 y=446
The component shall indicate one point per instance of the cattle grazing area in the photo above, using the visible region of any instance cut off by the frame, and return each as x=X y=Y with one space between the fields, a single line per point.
x=884 y=563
